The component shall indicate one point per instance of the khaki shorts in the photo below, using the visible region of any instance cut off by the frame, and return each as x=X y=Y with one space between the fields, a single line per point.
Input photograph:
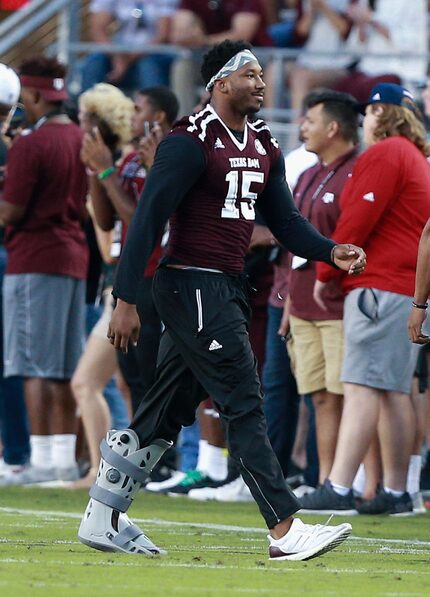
x=316 y=353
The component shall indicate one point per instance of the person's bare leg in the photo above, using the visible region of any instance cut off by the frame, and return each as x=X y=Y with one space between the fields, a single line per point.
x=211 y=429
x=95 y=368
x=373 y=468
x=418 y=405
x=63 y=413
x=328 y=412
x=357 y=429
x=38 y=400
x=396 y=435
x=298 y=454
x=281 y=528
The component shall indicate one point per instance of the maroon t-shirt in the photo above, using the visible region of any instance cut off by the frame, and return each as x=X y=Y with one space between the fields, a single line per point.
x=217 y=19
x=213 y=224
x=46 y=176
x=317 y=195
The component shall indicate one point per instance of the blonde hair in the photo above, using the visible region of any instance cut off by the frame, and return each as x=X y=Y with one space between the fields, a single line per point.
x=110 y=105
x=403 y=121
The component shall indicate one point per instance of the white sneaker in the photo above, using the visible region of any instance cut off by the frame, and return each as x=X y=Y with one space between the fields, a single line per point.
x=70 y=473
x=163 y=486
x=302 y=490
x=29 y=475
x=6 y=469
x=418 y=503
x=235 y=491
x=306 y=541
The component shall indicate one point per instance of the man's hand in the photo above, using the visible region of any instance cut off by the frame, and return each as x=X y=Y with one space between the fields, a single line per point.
x=284 y=326
x=261 y=237
x=415 y=325
x=349 y=258
x=318 y=294
x=148 y=146
x=95 y=152
x=124 y=326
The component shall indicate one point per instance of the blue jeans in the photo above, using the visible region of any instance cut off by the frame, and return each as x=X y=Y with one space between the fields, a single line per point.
x=281 y=400
x=311 y=473
x=113 y=397
x=13 y=413
x=144 y=72
x=188 y=446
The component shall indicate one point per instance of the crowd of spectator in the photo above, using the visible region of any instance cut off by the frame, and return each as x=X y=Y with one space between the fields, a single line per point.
x=347 y=418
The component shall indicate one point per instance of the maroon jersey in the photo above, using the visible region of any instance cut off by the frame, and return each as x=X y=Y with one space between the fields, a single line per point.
x=212 y=226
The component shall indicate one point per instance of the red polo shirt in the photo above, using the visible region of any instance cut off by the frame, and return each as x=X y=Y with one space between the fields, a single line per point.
x=384 y=207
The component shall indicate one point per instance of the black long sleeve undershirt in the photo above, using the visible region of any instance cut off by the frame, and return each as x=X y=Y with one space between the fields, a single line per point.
x=179 y=163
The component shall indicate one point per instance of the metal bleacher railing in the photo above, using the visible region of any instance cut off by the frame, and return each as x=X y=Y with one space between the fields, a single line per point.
x=60 y=28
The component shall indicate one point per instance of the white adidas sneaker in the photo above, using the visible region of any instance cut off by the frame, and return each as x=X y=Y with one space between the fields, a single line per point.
x=306 y=541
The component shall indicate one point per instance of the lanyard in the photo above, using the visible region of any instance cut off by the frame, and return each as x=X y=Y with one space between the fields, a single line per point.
x=46 y=117
x=322 y=184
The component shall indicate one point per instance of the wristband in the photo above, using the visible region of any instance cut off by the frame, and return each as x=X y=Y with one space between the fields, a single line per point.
x=106 y=173
x=418 y=306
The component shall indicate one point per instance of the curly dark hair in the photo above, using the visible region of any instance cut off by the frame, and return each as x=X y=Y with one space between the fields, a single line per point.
x=40 y=66
x=217 y=56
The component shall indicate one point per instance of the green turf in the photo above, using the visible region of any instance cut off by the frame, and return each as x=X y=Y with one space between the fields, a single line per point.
x=40 y=555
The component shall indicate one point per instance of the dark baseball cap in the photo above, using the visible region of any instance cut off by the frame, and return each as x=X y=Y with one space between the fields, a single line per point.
x=389 y=93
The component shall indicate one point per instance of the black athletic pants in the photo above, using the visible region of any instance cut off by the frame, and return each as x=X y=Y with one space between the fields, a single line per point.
x=205 y=350
x=138 y=365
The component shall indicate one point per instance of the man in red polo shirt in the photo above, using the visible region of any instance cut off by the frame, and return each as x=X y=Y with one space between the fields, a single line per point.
x=43 y=206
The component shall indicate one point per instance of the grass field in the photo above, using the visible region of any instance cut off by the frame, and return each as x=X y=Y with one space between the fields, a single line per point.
x=214 y=549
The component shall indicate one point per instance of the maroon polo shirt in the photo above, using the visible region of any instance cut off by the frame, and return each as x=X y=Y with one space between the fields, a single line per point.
x=46 y=176
x=317 y=196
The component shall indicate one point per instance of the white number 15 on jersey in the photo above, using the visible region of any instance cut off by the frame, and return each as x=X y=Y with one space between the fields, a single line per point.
x=246 y=197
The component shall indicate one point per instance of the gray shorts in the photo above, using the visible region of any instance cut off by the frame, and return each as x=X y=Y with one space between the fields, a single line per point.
x=378 y=352
x=44 y=324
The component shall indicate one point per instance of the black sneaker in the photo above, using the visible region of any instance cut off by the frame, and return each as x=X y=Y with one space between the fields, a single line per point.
x=324 y=500
x=193 y=480
x=386 y=503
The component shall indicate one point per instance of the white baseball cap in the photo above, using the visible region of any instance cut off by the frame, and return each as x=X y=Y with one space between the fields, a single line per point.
x=10 y=87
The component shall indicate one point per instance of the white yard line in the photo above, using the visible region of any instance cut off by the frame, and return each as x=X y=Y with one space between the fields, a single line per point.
x=49 y=514
x=192 y=565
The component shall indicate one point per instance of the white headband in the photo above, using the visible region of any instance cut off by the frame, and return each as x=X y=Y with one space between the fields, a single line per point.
x=234 y=64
